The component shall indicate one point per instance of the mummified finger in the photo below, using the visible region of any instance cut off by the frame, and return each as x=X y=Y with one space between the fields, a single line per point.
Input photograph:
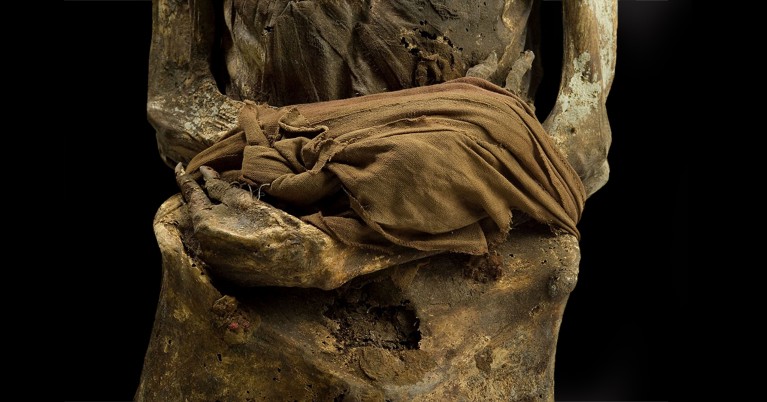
x=224 y=192
x=191 y=191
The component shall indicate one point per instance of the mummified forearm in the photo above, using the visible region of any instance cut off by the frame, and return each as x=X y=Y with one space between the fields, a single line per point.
x=578 y=123
x=251 y=243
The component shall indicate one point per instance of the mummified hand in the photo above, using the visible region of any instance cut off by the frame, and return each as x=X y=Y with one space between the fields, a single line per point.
x=252 y=243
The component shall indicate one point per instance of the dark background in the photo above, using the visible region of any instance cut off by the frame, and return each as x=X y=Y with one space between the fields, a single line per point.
x=621 y=338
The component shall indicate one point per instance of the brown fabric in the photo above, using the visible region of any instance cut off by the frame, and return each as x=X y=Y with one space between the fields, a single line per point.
x=421 y=167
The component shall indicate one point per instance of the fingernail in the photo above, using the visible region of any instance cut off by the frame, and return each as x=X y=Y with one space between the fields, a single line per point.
x=208 y=173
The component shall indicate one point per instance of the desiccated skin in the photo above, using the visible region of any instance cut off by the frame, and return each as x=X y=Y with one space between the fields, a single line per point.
x=419 y=331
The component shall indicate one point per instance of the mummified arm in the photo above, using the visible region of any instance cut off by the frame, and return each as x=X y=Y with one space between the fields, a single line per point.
x=252 y=243
x=578 y=123
x=184 y=104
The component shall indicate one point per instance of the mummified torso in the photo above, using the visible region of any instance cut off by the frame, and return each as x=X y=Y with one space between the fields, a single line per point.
x=287 y=52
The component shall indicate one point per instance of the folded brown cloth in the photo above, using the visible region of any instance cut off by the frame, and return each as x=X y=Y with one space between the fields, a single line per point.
x=426 y=167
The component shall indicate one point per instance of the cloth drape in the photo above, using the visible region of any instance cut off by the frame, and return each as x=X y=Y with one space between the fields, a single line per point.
x=428 y=168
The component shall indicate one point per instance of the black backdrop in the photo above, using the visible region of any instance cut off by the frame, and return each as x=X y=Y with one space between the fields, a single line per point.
x=621 y=335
